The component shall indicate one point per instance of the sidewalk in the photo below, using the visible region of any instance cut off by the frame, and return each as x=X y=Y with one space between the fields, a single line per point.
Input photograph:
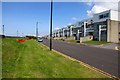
x=113 y=46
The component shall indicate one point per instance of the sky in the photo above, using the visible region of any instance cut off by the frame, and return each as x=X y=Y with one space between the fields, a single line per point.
x=22 y=16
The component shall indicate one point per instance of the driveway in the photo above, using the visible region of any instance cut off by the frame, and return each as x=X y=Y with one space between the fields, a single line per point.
x=104 y=59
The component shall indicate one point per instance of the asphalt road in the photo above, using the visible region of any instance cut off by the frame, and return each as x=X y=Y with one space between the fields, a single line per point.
x=103 y=59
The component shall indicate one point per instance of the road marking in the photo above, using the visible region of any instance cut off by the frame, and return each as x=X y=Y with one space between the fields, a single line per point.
x=86 y=65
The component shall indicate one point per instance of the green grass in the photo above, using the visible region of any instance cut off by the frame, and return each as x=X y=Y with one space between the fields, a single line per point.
x=72 y=41
x=96 y=42
x=33 y=60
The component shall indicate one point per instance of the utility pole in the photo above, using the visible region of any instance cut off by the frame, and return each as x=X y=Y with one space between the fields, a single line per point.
x=3 y=29
x=36 y=30
x=22 y=34
x=51 y=25
x=17 y=33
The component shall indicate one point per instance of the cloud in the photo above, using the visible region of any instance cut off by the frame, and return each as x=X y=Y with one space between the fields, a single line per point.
x=69 y=24
x=101 y=6
x=56 y=28
x=74 y=18
x=90 y=2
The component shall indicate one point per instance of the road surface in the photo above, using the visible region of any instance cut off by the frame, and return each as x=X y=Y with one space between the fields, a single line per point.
x=103 y=59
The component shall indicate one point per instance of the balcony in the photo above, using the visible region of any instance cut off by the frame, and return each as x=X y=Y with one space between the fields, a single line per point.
x=89 y=29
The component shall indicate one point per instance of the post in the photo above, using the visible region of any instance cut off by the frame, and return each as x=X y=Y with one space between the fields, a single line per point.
x=22 y=34
x=3 y=29
x=36 y=30
x=17 y=33
x=51 y=25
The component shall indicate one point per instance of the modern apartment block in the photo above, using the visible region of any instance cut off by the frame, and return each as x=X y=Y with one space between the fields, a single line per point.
x=103 y=26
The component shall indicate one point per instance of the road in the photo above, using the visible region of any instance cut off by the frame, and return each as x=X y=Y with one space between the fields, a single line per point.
x=103 y=59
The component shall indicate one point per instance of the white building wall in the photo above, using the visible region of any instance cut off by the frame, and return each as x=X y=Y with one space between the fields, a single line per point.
x=96 y=16
x=114 y=15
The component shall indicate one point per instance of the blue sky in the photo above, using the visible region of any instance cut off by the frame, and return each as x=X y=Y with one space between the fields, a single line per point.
x=22 y=16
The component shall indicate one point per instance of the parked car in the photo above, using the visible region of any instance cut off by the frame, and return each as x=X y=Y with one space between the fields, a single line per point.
x=40 y=39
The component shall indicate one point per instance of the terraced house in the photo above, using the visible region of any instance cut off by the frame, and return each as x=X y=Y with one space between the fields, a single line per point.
x=103 y=26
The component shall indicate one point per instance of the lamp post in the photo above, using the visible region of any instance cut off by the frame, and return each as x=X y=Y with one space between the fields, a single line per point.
x=17 y=33
x=51 y=24
x=3 y=29
x=36 y=29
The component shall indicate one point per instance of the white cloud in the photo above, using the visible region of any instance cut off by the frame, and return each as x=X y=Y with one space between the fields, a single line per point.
x=57 y=28
x=89 y=13
x=74 y=18
x=102 y=6
x=69 y=24
x=90 y=2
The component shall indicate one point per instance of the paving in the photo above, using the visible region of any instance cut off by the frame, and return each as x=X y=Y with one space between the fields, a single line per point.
x=104 y=59
x=112 y=46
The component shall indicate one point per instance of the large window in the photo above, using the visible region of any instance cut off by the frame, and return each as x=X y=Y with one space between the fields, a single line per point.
x=101 y=16
x=106 y=15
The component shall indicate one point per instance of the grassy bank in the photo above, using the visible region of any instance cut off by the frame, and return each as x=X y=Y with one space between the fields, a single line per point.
x=72 y=41
x=33 y=60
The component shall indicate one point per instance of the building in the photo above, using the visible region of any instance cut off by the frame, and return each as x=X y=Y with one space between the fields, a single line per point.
x=106 y=26
x=103 y=26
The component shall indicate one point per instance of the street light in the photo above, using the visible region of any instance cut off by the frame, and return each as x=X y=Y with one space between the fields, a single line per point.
x=3 y=29
x=51 y=25
x=17 y=33
x=36 y=30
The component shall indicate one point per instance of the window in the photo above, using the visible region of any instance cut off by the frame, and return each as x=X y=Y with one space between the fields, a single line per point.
x=107 y=15
x=101 y=16
x=104 y=16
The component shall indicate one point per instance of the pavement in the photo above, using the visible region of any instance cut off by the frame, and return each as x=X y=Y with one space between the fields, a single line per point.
x=113 y=46
x=104 y=59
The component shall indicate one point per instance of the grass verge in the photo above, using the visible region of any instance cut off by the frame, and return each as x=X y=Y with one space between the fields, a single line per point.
x=73 y=41
x=33 y=60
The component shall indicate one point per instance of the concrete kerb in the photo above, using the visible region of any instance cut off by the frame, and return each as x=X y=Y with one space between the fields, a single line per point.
x=116 y=48
x=100 y=46
x=87 y=65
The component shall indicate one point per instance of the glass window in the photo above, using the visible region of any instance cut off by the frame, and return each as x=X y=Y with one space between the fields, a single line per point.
x=104 y=16
x=107 y=14
x=101 y=16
